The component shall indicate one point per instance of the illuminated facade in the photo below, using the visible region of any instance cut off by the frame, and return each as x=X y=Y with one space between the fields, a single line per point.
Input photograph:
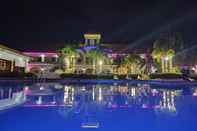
x=12 y=60
x=42 y=61
x=92 y=39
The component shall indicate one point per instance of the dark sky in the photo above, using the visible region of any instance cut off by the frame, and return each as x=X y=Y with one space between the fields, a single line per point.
x=47 y=24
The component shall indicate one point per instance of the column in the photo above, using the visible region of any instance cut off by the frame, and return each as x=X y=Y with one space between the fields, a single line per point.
x=166 y=66
x=12 y=66
x=97 y=41
x=170 y=65
x=91 y=41
x=42 y=58
x=86 y=41
x=26 y=66
x=163 y=65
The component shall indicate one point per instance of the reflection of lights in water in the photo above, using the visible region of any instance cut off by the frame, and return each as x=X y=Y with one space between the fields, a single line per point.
x=138 y=85
x=66 y=88
x=39 y=101
x=109 y=105
x=93 y=94
x=26 y=89
x=133 y=92
x=41 y=88
x=68 y=95
x=111 y=88
x=164 y=99
x=168 y=101
x=154 y=92
x=100 y=94
x=10 y=93
x=126 y=102
x=123 y=89
x=54 y=100
x=73 y=94
x=195 y=92
x=83 y=88
x=58 y=86
x=144 y=106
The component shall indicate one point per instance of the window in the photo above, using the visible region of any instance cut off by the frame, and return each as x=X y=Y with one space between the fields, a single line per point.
x=2 y=65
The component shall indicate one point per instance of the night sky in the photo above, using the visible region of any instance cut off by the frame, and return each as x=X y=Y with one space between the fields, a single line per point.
x=48 y=24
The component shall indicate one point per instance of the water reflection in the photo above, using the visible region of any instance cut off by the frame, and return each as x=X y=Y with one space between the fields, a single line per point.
x=102 y=105
x=11 y=96
x=102 y=96
x=112 y=97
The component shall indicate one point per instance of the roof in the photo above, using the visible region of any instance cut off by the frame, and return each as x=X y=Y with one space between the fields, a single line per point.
x=92 y=36
x=12 y=50
x=38 y=54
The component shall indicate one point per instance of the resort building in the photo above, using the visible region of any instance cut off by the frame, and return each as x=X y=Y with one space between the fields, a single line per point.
x=95 y=57
x=12 y=60
x=43 y=63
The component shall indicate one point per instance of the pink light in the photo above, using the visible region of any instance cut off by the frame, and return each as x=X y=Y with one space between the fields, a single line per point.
x=195 y=94
x=26 y=90
x=114 y=106
x=144 y=106
x=38 y=54
x=124 y=106
x=43 y=105
x=157 y=106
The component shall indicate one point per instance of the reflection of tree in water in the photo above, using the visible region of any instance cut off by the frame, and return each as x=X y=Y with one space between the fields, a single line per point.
x=78 y=101
x=91 y=99
x=168 y=102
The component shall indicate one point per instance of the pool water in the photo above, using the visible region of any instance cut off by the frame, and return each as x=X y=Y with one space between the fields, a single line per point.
x=104 y=107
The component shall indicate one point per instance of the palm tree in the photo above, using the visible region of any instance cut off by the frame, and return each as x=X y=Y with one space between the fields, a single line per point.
x=68 y=56
x=156 y=54
x=133 y=63
x=170 y=55
x=163 y=52
x=97 y=58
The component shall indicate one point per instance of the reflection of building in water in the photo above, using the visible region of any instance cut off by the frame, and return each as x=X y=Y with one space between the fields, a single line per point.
x=10 y=97
x=113 y=96
x=168 y=100
x=195 y=92
x=8 y=92
x=68 y=94
x=123 y=95
x=100 y=97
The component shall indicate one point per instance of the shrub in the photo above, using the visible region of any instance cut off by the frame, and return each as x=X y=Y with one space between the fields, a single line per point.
x=166 y=76
x=91 y=76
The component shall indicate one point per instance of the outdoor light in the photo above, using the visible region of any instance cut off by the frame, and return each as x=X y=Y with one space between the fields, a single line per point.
x=56 y=56
x=193 y=68
x=41 y=88
x=166 y=58
x=100 y=94
x=42 y=69
x=67 y=61
x=100 y=62
x=42 y=57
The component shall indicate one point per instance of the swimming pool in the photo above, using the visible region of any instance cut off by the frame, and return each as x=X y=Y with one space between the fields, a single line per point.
x=102 y=107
